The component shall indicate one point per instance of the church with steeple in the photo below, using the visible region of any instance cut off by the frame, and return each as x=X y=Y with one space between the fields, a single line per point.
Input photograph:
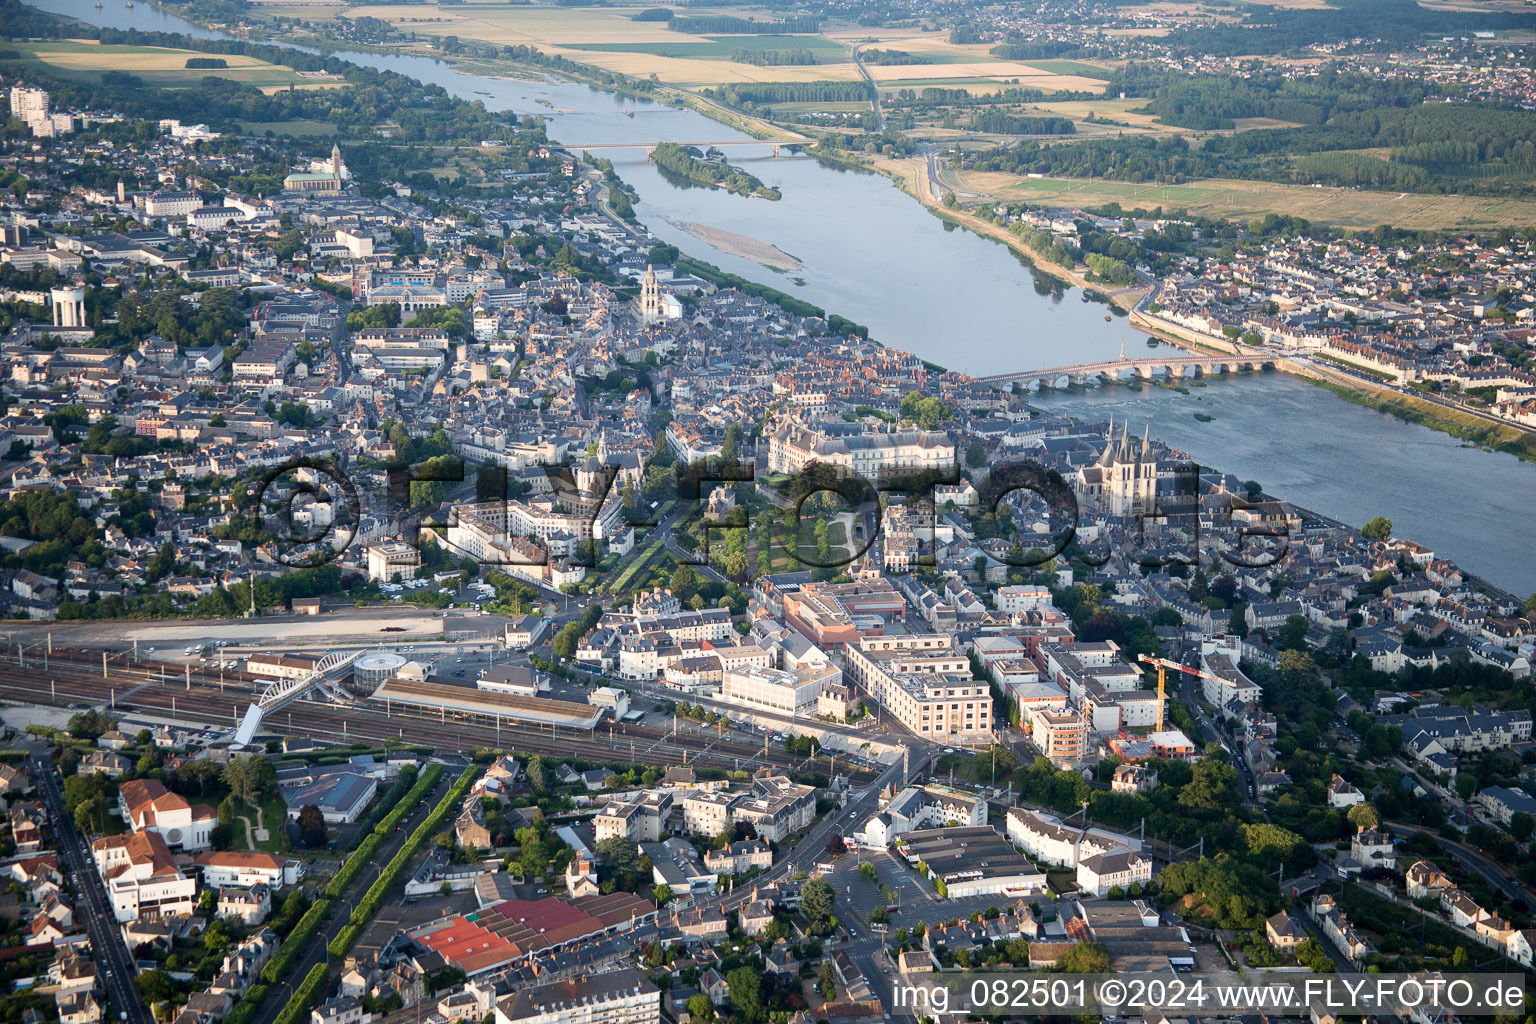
x=655 y=304
x=1123 y=482
x=323 y=175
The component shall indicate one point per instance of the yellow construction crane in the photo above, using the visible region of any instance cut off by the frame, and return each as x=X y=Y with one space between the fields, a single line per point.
x=1163 y=664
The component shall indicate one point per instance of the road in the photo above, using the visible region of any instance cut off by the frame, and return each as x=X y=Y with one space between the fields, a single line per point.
x=812 y=847
x=1247 y=783
x=115 y=966
x=341 y=912
x=1472 y=860
x=874 y=90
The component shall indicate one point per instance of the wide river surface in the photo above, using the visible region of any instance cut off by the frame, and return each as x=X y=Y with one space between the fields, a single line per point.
x=874 y=255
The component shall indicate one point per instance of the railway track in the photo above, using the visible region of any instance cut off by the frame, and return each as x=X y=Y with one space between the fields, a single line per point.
x=74 y=677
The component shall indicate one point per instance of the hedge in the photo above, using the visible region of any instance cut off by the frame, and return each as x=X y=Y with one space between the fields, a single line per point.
x=359 y=859
x=343 y=940
x=369 y=904
x=363 y=855
x=302 y=935
x=423 y=786
x=303 y=997
x=245 y=1010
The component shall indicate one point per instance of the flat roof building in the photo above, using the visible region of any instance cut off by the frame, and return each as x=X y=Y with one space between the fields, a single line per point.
x=974 y=860
x=466 y=701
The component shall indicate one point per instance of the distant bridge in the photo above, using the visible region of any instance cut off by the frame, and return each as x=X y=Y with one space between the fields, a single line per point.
x=722 y=144
x=1169 y=368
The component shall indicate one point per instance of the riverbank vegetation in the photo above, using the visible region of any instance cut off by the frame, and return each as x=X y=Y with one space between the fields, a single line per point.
x=799 y=307
x=1473 y=429
x=688 y=163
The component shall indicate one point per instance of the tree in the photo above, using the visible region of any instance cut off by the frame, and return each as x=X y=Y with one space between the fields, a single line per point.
x=1363 y=816
x=816 y=898
x=1296 y=661
x=685 y=582
x=746 y=988
x=311 y=826
x=157 y=987
x=1292 y=636
x=1084 y=958
x=828 y=982
x=620 y=859
x=565 y=641
x=1466 y=785
x=927 y=412
x=699 y=1006
x=90 y=725
x=1311 y=955
x=90 y=815
x=1379 y=528
x=1521 y=825
x=976 y=455
x=663 y=894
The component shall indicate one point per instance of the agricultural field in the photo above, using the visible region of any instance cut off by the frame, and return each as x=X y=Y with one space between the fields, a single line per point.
x=721 y=47
x=87 y=60
x=1344 y=207
x=609 y=38
x=1070 y=67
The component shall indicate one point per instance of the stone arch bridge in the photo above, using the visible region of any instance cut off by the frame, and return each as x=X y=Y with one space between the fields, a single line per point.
x=1152 y=367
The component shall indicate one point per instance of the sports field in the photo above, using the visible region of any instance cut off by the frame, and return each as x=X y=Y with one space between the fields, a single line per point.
x=86 y=60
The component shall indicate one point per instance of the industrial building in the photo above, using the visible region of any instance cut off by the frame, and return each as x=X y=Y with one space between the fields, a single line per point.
x=974 y=860
x=511 y=931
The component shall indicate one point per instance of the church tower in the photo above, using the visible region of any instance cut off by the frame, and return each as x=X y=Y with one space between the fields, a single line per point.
x=650 y=295
x=336 y=159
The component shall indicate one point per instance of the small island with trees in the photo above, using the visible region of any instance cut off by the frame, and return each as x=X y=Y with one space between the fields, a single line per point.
x=710 y=168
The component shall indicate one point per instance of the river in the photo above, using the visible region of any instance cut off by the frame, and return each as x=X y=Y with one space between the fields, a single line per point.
x=874 y=255
x=1341 y=460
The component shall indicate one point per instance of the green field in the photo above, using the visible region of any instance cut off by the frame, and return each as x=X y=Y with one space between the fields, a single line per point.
x=1097 y=189
x=298 y=129
x=719 y=47
x=1069 y=67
